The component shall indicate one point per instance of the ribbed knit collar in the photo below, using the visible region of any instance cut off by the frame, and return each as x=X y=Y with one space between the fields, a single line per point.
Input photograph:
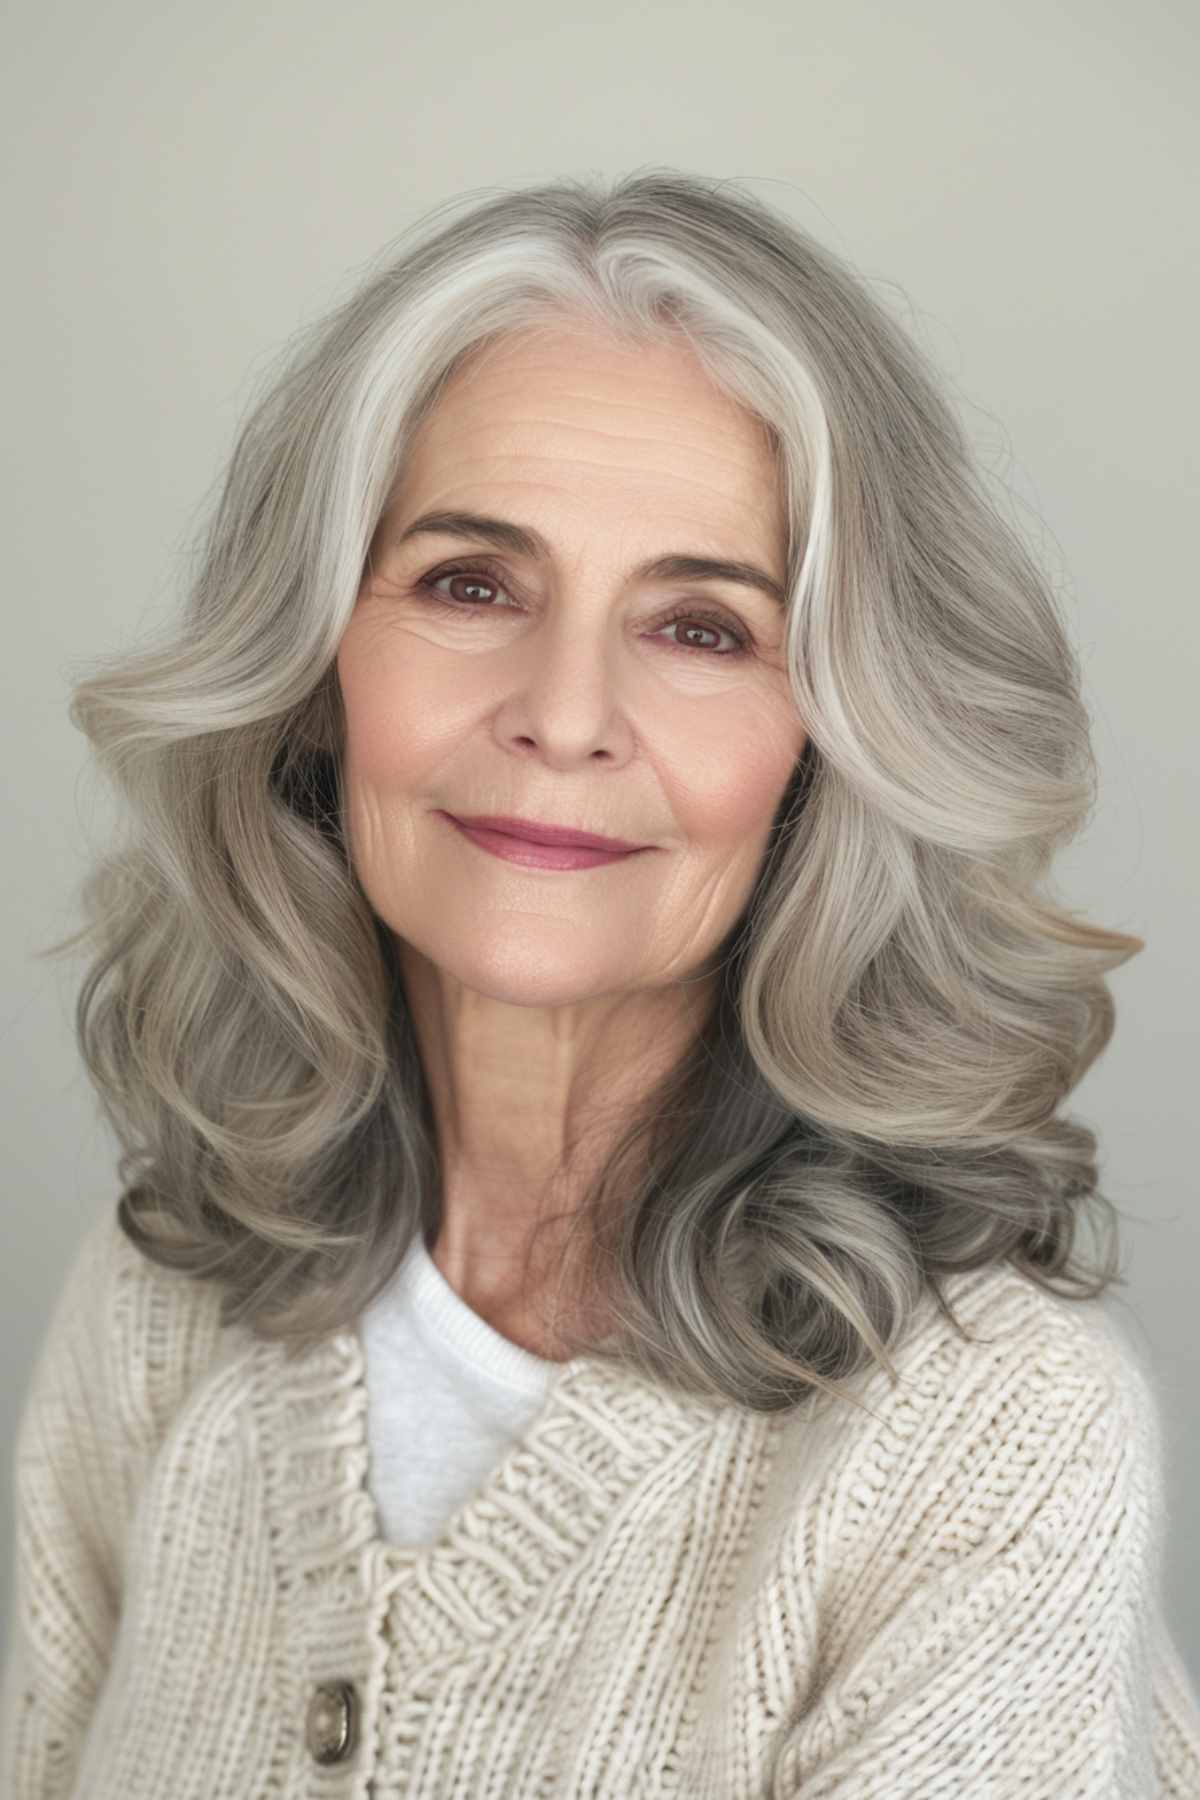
x=599 y=1433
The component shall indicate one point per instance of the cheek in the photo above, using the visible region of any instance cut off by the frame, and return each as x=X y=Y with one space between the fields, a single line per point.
x=729 y=779
x=395 y=722
x=382 y=763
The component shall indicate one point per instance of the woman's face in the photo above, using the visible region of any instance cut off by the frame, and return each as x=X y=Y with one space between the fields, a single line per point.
x=552 y=683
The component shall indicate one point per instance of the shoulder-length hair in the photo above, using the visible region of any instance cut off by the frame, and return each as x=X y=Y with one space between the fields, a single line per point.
x=875 y=1101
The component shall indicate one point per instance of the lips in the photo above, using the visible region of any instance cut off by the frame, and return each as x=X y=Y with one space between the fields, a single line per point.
x=534 y=833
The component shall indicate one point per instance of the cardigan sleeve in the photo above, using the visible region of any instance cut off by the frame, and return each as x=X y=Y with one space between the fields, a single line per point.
x=1005 y=1633
x=68 y=1500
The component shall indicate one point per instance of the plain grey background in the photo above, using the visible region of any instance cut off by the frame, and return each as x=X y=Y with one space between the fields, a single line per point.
x=187 y=184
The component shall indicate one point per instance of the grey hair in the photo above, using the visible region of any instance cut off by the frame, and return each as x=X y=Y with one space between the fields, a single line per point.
x=903 y=1007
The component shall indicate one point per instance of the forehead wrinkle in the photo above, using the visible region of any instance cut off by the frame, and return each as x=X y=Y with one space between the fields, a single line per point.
x=744 y=455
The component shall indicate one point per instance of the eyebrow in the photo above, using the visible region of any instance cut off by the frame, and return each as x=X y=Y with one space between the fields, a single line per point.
x=521 y=540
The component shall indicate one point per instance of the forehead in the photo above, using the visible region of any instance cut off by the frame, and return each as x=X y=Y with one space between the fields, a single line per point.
x=569 y=408
x=592 y=372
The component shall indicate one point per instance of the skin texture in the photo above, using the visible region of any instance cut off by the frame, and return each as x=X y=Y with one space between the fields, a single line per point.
x=545 y=1001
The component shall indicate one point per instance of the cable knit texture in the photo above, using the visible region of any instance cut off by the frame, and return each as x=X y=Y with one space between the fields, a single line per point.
x=954 y=1591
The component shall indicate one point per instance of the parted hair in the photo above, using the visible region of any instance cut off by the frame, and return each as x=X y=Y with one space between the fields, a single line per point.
x=903 y=1007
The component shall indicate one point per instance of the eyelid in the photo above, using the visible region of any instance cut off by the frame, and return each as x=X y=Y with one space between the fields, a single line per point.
x=713 y=616
x=483 y=565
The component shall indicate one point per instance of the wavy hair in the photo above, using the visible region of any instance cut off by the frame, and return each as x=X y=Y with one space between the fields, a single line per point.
x=874 y=1102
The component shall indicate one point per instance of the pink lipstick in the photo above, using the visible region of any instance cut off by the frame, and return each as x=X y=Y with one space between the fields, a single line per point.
x=565 y=850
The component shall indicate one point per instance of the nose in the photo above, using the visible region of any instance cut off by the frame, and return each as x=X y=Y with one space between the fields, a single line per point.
x=569 y=689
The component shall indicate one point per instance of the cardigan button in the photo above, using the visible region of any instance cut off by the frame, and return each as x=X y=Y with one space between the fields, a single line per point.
x=329 y=1727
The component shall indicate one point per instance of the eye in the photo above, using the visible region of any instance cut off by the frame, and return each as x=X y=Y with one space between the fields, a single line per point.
x=480 y=575
x=689 y=615
x=475 y=577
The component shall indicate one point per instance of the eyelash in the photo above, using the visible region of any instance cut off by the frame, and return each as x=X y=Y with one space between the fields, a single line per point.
x=694 y=615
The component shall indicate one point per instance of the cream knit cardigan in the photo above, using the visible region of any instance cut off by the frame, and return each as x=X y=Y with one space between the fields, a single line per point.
x=954 y=1592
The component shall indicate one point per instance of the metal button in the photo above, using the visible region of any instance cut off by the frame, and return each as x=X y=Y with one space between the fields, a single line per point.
x=329 y=1727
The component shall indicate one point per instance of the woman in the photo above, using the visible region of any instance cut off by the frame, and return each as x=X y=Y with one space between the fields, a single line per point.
x=597 y=1321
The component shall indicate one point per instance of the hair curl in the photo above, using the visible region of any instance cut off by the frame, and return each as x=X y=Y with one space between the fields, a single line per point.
x=874 y=1103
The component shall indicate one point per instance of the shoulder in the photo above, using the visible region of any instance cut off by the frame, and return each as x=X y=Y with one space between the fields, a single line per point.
x=1046 y=1365
x=1041 y=1381
x=1019 y=1332
x=126 y=1339
x=1039 y=1427
x=975 y=1563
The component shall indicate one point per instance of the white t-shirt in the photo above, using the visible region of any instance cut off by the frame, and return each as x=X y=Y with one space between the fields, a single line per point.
x=446 y=1397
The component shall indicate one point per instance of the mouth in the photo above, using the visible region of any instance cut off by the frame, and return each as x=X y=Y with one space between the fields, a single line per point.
x=530 y=853
x=530 y=831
